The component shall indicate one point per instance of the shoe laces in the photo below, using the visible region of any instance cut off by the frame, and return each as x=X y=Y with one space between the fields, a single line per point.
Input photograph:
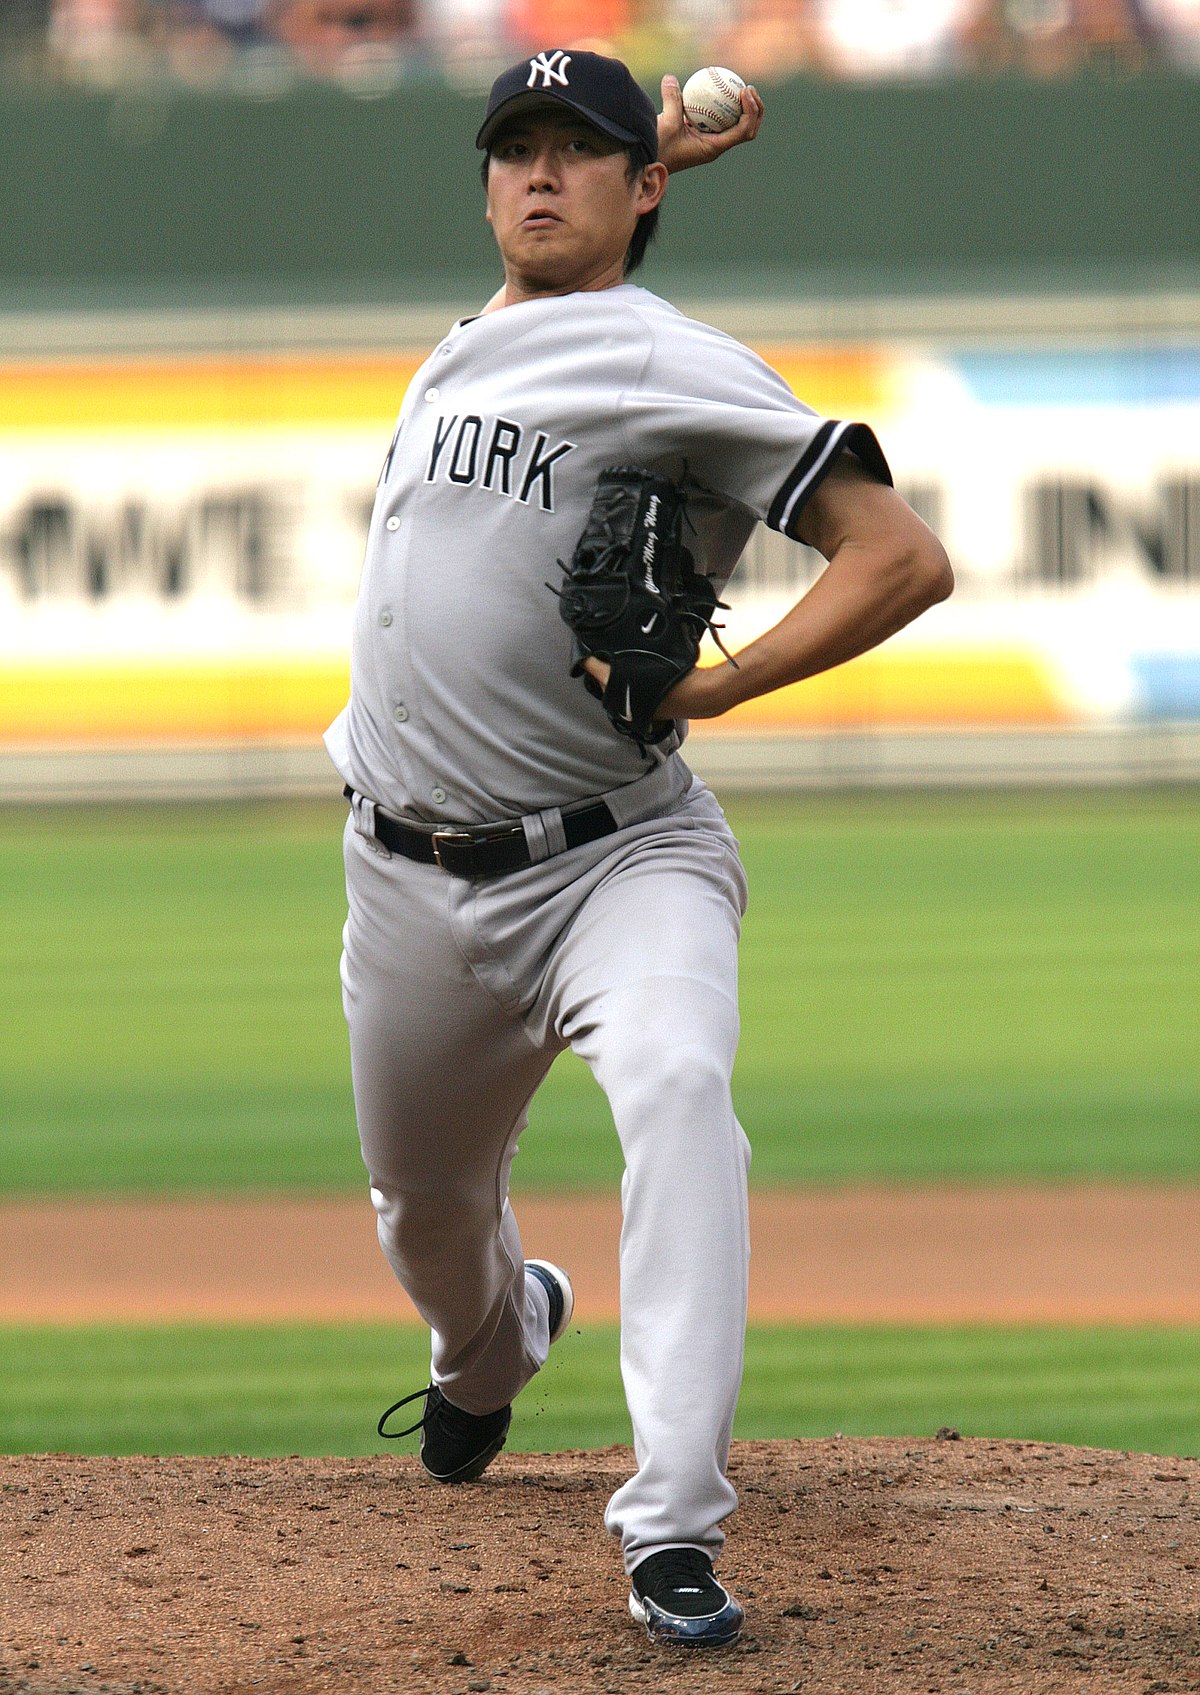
x=431 y=1406
x=438 y=1411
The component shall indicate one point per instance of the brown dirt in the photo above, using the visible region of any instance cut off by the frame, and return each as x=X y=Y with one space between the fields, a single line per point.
x=952 y=1567
x=962 y=1567
x=1095 y=1253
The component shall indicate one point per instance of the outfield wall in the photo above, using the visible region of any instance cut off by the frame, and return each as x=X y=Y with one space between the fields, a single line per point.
x=156 y=193
x=181 y=535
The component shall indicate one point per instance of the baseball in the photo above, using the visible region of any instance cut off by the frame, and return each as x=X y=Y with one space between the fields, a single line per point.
x=712 y=99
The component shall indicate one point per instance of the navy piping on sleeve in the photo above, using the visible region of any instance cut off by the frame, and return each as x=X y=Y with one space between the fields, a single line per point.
x=814 y=466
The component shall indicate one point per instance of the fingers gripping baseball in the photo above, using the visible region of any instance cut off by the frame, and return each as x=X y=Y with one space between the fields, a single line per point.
x=681 y=145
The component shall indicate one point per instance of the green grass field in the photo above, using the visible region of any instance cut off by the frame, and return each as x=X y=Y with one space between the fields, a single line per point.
x=319 y=1390
x=959 y=986
x=933 y=986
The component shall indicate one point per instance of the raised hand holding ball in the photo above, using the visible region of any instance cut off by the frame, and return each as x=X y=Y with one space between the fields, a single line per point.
x=712 y=99
x=681 y=145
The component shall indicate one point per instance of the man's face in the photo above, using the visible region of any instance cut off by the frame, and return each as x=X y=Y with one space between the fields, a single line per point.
x=561 y=202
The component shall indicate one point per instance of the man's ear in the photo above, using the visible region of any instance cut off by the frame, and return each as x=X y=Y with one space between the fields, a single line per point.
x=654 y=186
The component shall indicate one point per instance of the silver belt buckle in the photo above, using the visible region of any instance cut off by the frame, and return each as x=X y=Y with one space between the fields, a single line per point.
x=440 y=836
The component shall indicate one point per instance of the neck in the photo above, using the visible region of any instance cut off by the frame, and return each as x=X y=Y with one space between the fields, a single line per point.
x=518 y=287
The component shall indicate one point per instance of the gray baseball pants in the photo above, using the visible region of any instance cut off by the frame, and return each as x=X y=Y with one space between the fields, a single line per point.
x=459 y=994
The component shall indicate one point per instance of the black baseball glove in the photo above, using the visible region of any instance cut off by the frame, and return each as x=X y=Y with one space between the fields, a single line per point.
x=634 y=598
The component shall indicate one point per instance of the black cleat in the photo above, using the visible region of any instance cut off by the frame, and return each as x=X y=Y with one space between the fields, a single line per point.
x=456 y=1446
x=677 y=1598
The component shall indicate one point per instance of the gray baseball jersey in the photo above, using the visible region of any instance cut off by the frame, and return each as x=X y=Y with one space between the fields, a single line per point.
x=462 y=704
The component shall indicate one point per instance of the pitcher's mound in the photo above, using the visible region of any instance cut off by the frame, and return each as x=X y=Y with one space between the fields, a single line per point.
x=911 y=1565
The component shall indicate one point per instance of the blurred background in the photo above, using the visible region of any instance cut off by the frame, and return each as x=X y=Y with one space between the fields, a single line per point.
x=368 y=43
x=230 y=231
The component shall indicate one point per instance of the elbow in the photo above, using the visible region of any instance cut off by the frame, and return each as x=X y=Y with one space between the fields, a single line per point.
x=929 y=573
x=938 y=573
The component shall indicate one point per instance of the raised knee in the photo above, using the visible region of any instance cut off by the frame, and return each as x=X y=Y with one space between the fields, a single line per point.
x=678 y=1070
x=418 y=1220
x=685 y=1087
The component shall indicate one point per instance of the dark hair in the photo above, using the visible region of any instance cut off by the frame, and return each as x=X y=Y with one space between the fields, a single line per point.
x=646 y=229
x=647 y=224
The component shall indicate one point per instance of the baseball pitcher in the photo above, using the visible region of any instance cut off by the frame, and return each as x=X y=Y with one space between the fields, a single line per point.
x=530 y=864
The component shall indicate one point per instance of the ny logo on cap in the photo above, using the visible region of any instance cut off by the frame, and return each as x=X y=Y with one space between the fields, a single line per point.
x=551 y=68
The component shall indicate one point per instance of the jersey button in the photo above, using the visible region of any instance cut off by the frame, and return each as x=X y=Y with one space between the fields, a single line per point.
x=431 y=393
x=393 y=523
x=385 y=619
x=401 y=715
x=439 y=795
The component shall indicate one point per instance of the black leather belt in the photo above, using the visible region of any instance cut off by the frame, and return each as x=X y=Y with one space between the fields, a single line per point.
x=484 y=850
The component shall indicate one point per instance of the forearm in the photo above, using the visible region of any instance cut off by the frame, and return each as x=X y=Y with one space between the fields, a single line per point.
x=864 y=596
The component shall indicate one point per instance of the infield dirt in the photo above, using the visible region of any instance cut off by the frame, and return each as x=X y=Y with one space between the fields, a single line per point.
x=943 y=1254
x=932 y=1567
x=902 y=1565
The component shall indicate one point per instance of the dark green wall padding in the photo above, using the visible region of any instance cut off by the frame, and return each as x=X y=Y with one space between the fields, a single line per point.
x=162 y=195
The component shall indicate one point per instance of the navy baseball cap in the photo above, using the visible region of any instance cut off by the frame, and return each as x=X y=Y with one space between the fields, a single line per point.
x=601 y=90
